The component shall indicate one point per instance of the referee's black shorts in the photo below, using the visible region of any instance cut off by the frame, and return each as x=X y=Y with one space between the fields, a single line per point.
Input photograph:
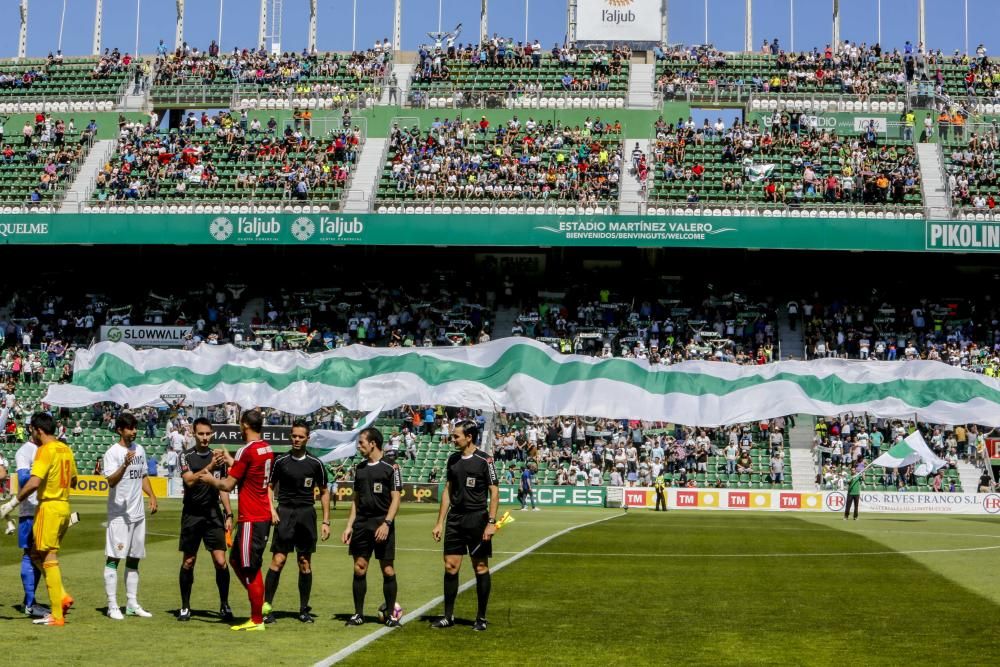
x=249 y=544
x=296 y=530
x=463 y=534
x=363 y=542
x=196 y=529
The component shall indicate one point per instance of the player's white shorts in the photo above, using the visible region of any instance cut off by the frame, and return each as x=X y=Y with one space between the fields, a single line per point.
x=125 y=539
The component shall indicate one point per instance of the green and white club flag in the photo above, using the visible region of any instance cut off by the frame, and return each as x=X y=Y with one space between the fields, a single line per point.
x=913 y=449
x=523 y=375
x=759 y=172
x=333 y=445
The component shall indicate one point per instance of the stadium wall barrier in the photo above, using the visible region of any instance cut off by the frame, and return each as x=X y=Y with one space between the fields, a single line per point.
x=815 y=501
x=97 y=485
x=413 y=492
x=160 y=336
x=562 y=496
x=715 y=230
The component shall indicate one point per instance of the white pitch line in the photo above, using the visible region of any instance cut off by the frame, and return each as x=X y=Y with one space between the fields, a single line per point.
x=417 y=613
x=778 y=555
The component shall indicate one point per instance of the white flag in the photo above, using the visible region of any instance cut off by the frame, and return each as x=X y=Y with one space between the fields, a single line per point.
x=333 y=445
x=909 y=451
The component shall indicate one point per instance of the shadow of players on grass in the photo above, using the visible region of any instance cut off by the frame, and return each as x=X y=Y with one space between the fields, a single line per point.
x=343 y=618
x=430 y=618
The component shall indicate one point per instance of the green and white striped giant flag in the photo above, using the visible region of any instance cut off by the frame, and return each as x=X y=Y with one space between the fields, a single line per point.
x=523 y=375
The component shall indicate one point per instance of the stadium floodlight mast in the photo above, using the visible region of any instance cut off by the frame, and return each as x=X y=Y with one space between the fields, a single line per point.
x=748 y=28
x=179 y=28
x=62 y=22
x=22 y=37
x=791 y=25
x=706 y=22
x=836 y=26
x=98 y=26
x=526 y=21
x=138 y=14
x=921 y=24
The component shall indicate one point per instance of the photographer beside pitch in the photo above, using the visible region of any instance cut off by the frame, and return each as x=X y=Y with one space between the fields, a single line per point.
x=370 y=530
x=470 y=526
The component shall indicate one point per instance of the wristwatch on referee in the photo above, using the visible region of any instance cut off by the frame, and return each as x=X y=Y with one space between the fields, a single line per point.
x=492 y=520
x=326 y=523
x=229 y=515
x=388 y=522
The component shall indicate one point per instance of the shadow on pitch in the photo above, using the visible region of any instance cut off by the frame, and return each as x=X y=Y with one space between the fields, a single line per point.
x=430 y=618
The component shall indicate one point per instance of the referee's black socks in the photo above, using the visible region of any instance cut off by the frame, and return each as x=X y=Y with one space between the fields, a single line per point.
x=187 y=582
x=450 y=593
x=305 y=588
x=222 y=582
x=271 y=584
x=484 y=583
x=389 y=591
x=360 y=589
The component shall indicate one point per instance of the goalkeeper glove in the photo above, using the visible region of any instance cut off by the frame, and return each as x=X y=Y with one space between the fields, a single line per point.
x=8 y=507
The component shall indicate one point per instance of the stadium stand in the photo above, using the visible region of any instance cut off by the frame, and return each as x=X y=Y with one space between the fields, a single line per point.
x=782 y=167
x=256 y=79
x=729 y=328
x=227 y=159
x=857 y=71
x=504 y=73
x=970 y=165
x=841 y=444
x=36 y=167
x=519 y=166
x=580 y=451
x=934 y=329
x=64 y=84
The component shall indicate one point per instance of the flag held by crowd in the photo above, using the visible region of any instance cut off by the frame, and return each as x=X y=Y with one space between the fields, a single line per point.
x=523 y=375
x=911 y=450
x=333 y=445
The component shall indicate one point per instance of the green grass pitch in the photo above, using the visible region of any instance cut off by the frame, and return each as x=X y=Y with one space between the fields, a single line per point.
x=694 y=587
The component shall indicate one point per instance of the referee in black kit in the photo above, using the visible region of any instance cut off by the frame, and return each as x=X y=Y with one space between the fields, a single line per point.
x=377 y=487
x=296 y=475
x=471 y=523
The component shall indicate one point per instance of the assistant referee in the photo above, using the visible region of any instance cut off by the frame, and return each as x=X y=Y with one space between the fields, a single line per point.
x=296 y=476
x=370 y=529
x=469 y=505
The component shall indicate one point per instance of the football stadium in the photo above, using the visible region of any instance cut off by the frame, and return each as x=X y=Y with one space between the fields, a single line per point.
x=615 y=331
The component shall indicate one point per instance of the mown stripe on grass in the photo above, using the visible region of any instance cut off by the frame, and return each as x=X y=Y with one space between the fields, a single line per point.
x=350 y=650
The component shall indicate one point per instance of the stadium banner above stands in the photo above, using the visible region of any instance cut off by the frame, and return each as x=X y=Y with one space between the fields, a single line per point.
x=230 y=434
x=667 y=231
x=833 y=121
x=611 y=21
x=413 y=492
x=524 y=375
x=815 y=501
x=155 y=336
x=97 y=485
x=563 y=496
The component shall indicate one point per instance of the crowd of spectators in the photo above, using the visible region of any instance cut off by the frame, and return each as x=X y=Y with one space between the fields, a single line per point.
x=783 y=161
x=592 y=452
x=964 y=334
x=108 y=64
x=301 y=73
x=516 y=160
x=437 y=61
x=972 y=175
x=152 y=163
x=597 y=322
x=51 y=145
x=860 y=70
x=846 y=444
